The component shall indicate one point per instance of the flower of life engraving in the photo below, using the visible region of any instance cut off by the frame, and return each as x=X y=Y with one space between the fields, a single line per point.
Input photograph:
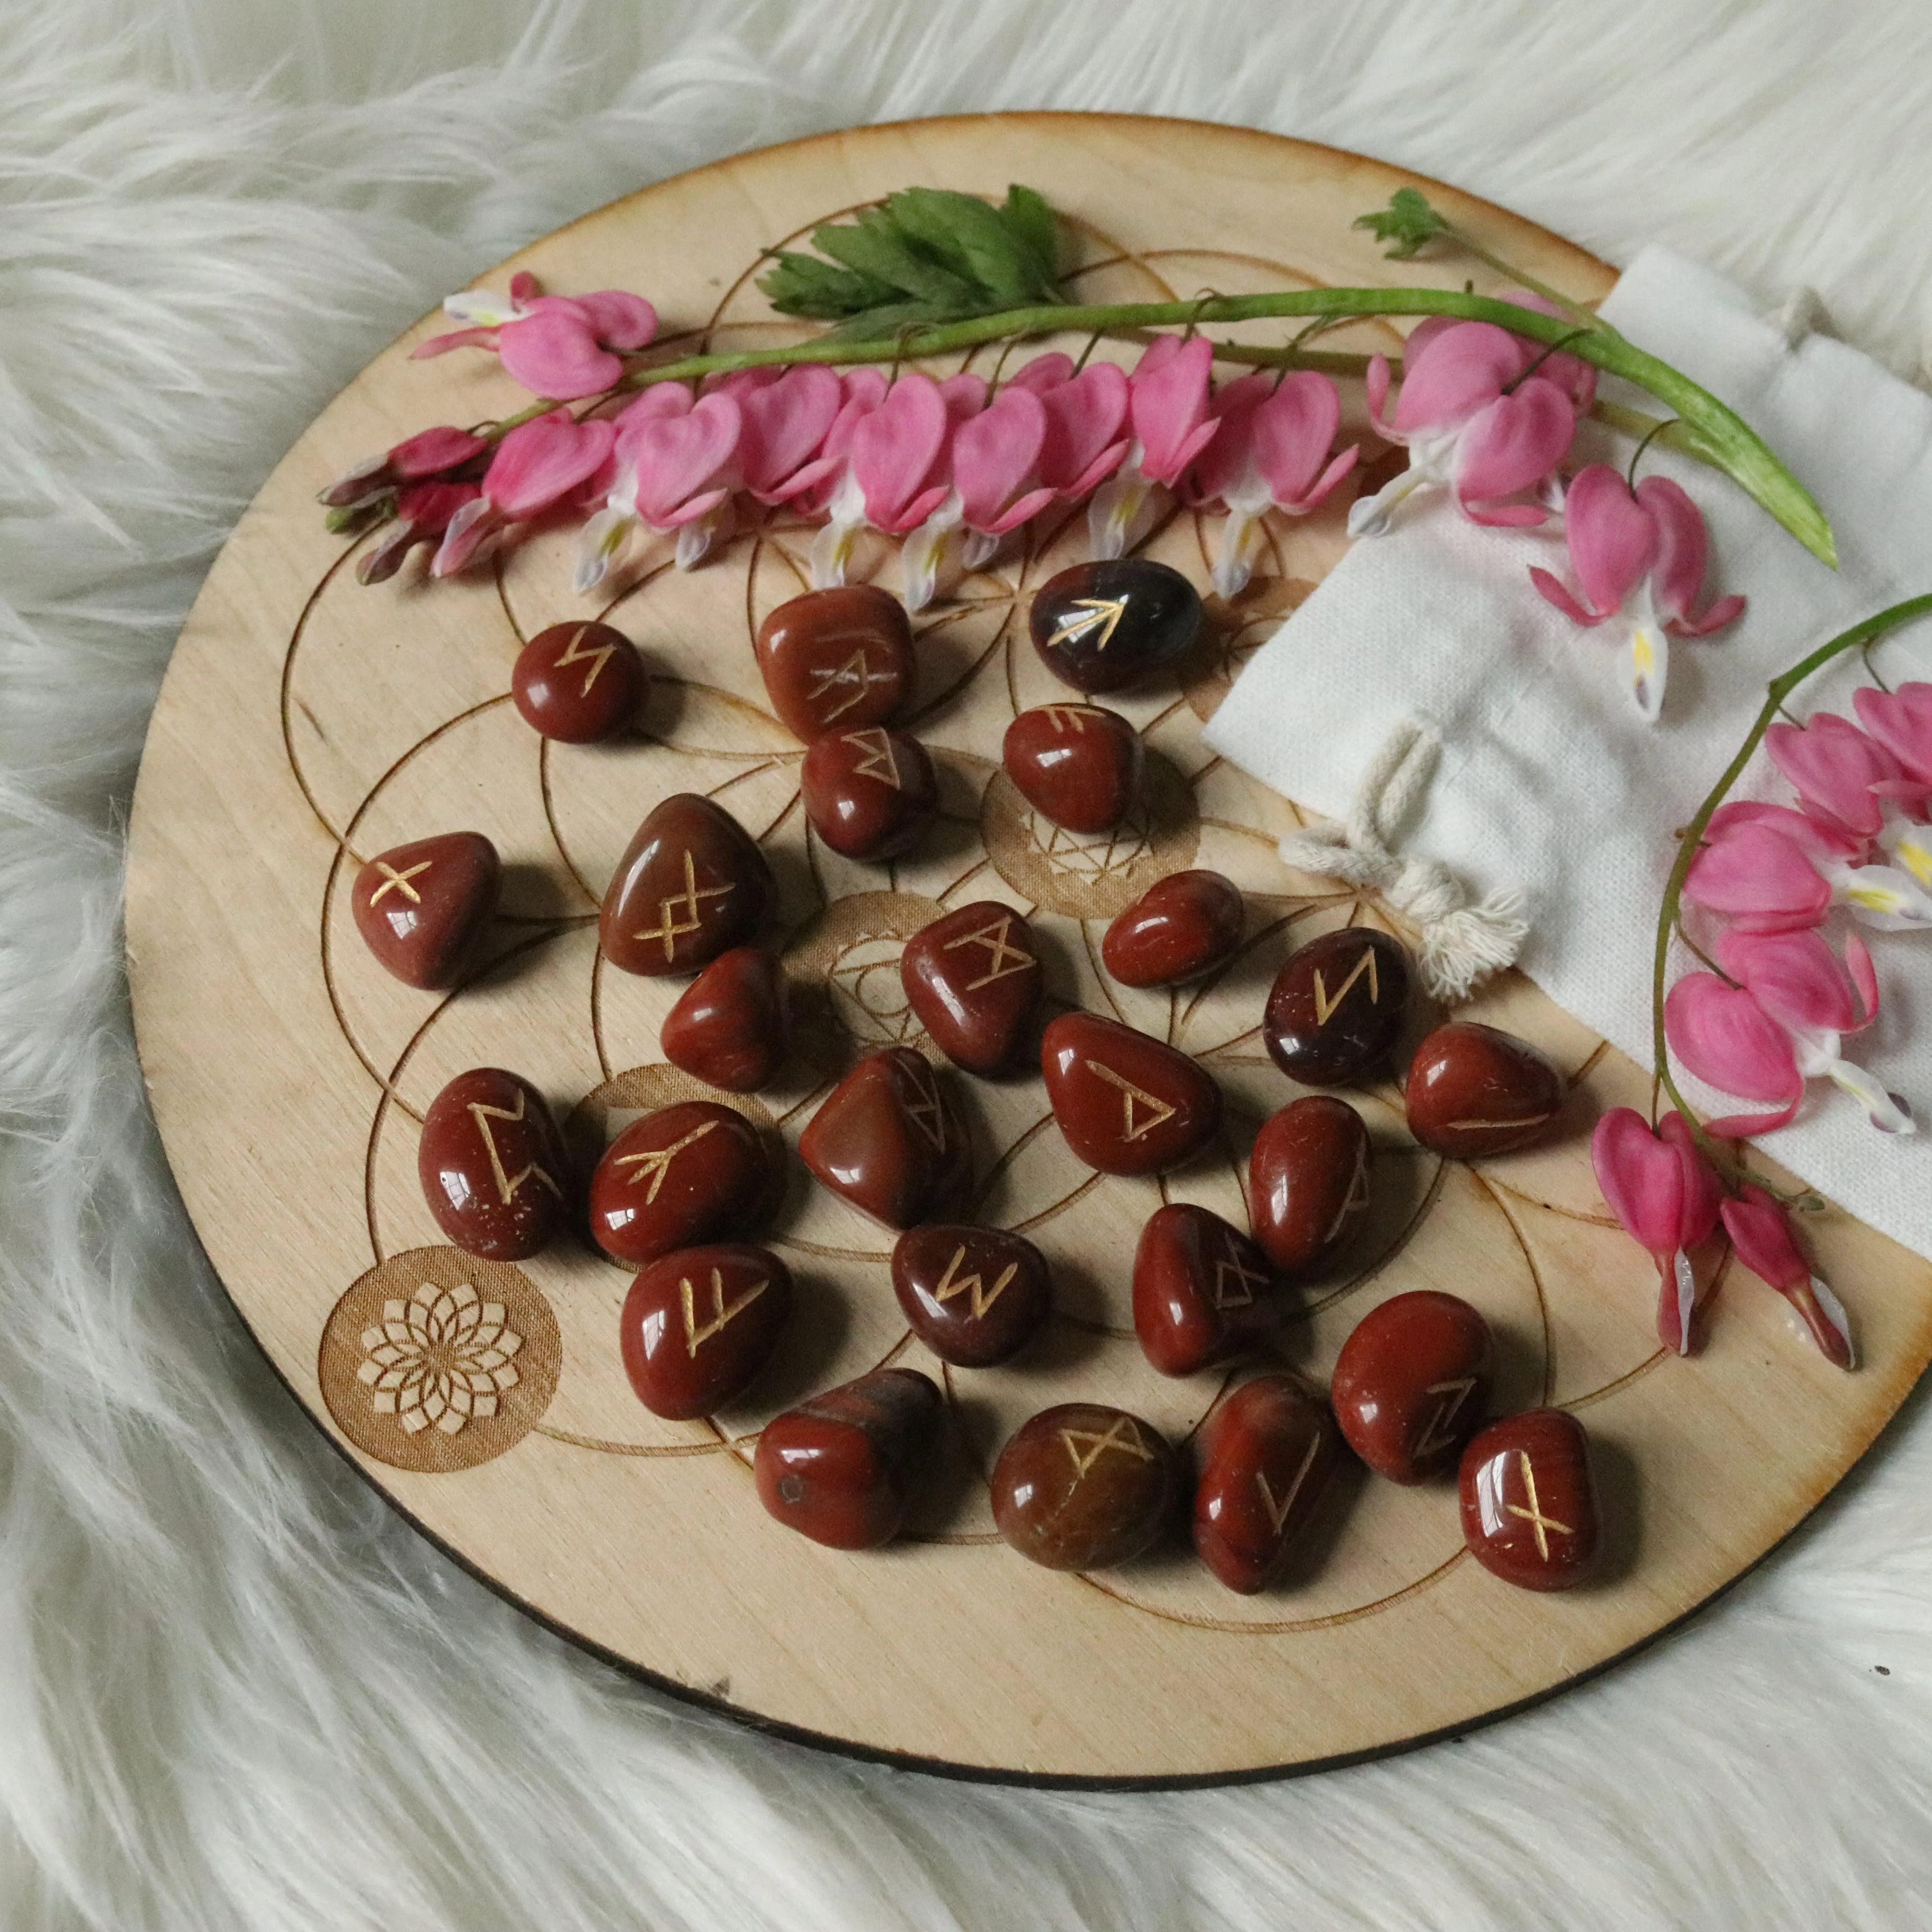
x=545 y=1004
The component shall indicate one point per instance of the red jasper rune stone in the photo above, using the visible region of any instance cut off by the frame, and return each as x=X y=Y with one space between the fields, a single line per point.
x=1411 y=1384
x=1181 y=928
x=732 y=1025
x=974 y=1296
x=887 y=1139
x=417 y=907
x=973 y=980
x=1529 y=1506
x=578 y=682
x=837 y=1468
x=1202 y=1290
x=869 y=794
x=699 y=1324
x=492 y=1165
x=686 y=1174
x=1473 y=1091
x=1078 y=764
x=836 y=660
x=1337 y=1006
x=1127 y=1103
x=1268 y=1455
x=1308 y=1182
x=1083 y=1487
x=691 y=885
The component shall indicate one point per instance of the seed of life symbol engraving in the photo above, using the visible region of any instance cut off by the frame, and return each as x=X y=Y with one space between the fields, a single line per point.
x=855 y=677
x=722 y=1314
x=669 y=928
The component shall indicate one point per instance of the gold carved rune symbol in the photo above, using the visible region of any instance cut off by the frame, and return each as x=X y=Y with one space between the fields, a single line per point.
x=1158 y=1111
x=1525 y=1120
x=596 y=659
x=1101 y=614
x=394 y=881
x=655 y=1165
x=1065 y=715
x=983 y=1297
x=994 y=937
x=1277 y=1512
x=1440 y=1430
x=1533 y=1515
x=1358 y=1192
x=929 y=1113
x=878 y=763
x=672 y=929
x=695 y=1335
x=857 y=673
x=1246 y=1281
x=1129 y=1444
x=507 y=1184
x=1324 y=1006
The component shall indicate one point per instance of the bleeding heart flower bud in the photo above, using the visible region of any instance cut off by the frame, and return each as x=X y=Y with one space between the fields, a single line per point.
x=1767 y=1244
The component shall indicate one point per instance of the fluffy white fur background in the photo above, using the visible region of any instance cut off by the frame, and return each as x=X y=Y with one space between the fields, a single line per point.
x=235 y=1692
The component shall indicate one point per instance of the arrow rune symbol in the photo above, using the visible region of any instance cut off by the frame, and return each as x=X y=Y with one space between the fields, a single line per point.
x=654 y=1165
x=1101 y=614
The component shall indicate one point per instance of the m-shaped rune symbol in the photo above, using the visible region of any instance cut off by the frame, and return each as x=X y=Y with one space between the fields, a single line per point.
x=983 y=1297
x=878 y=763
x=394 y=881
x=654 y=1165
x=671 y=929
x=596 y=658
x=1128 y=1445
x=994 y=936
x=695 y=1334
x=507 y=1183
x=1534 y=1515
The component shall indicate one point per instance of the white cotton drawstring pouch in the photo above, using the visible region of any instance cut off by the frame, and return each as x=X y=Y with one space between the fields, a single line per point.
x=1548 y=822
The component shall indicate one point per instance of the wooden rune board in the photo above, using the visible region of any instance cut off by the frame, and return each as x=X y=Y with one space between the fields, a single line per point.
x=308 y=723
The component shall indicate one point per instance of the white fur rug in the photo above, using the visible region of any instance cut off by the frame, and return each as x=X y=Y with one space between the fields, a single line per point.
x=234 y=1691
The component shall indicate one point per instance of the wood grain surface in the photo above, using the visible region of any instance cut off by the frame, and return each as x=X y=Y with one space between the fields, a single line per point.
x=308 y=723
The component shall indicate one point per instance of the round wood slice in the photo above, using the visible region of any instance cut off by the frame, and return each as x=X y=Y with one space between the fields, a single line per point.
x=308 y=723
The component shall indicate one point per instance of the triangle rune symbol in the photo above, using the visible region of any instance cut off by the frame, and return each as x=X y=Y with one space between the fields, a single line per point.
x=655 y=1165
x=1132 y=1096
x=878 y=763
x=1358 y=1193
x=994 y=937
x=507 y=1183
x=1365 y=962
x=854 y=676
x=1246 y=1281
x=1277 y=1512
x=696 y=1333
x=1097 y=1445
x=983 y=1297
x=1101 y=614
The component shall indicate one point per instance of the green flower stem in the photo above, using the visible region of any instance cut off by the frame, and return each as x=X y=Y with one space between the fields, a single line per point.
x=1860 y=637
x=1574 y=310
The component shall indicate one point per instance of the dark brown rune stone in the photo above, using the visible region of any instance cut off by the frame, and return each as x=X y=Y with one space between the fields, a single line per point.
x=887 y=1139
x=1411 y=1384
x=1103 y=626
x=839 y=659
x=419 y=907
x=1473 y=1091
x=1529 y=1505
x=700 y=1324
x=1079 y=765
x=1337 y=1006
x=1083 y=1487
x=691 y=885
x=839 y=1467
x=1267 y=1455
x=870 y=794
x=578 y=682
x=973 y=980
x=492 y=1166
x=1308 y=1182
x=731 y=1025
x=1181 y=928
x=974 y=1296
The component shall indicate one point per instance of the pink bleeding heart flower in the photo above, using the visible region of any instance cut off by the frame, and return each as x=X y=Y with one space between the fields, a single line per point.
x=676 y=465
x=1639 y=555
x=785 y=417
x=423 y=512
x=895 y=472
x=1086 y=422
x=1271 y=451
x=1753 y=866
x=1474 y=421
x=1901 y=721
x=1666 y=1195
x=1762 y=1233
x=540 y=465
x=1780 y=1024
x=1842 y=776
x=811 y=488
x=1167 y=406
x=559 y=346
x=430 y=454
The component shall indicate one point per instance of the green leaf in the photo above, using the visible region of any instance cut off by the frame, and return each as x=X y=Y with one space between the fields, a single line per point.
x=805 y=285
x=875 y=246
x=1405 y=224
x=1032 y=224
x=972 y=239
